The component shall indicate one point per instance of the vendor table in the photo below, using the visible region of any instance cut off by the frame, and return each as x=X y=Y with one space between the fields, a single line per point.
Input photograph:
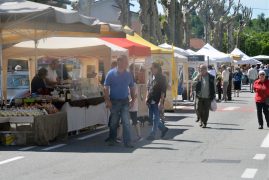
x=44 y=128
x=85 y=113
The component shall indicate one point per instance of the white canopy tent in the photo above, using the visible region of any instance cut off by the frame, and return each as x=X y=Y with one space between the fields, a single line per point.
x=261 y=57
x=177 y=50
x=64 y=47
x=23 y=20
x=245 y=59
x=213 y=55
x=191 y=52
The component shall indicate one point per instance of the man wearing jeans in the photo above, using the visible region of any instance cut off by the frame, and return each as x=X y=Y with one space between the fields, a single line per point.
x=225 y=77
x=117 y=84
x=155 y=99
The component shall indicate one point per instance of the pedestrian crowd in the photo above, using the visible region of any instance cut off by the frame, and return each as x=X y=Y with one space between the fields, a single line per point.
x=208 y=82
x=120 y=93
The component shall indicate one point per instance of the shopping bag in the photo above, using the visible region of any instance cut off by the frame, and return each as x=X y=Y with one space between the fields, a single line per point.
x=213 y=106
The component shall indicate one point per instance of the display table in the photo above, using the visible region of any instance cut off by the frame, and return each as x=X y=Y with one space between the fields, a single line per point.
x=43 y=128
x=50 y=127
x=85 y=113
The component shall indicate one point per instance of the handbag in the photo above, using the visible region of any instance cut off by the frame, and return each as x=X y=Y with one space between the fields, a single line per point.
x=213 y=105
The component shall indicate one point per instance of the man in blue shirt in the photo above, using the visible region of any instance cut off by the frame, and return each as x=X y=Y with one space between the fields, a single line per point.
x=118 y=83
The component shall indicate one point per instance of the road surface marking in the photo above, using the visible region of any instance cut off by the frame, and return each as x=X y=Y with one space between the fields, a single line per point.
x=53 y=147
x=11 y=159
x=92 y=135
x=27 y=148
x=230 y=108
x=259 y=156
x=265 y=143
x=249 y=173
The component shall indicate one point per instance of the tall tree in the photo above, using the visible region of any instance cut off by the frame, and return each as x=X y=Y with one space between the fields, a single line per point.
x=149 y=18
x=173 y=28
x=124 y=16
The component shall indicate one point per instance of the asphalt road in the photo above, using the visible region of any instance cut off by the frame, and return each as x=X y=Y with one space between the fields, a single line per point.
x=231 y=148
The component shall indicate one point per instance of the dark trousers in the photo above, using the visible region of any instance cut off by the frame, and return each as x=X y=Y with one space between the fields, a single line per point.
x=203 y=109
x=219 y=91
x=229 y=91
x=262 y=107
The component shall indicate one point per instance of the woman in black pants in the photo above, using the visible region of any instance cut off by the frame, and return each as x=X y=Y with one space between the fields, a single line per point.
x=261 y=88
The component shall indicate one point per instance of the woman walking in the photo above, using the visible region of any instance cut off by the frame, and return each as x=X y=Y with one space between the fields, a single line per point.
x=261 y=88
x=237 y=78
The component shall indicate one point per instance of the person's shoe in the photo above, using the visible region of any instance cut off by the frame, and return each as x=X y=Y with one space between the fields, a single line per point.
x=204 y=126
x=128 y=145
x=201 y=124
x=260 y=127
x=197 y=120
x=150 y=138
x=268 y=125
x=164 y=132
x=139 y=139
x=107 y=139
x=118 y=140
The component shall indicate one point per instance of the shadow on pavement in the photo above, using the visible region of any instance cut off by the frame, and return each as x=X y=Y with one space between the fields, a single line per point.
x=98 y=145
x=175 y=118
x=226 y=129
x=161 y=148
x=177 y=125
x=188 y=141
x=224 y=124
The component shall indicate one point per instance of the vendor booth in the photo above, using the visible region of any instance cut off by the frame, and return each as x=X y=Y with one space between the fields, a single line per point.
x=81 y=58
x=243 y=58
x=165 y=58
x=138 y=54
x=213 y=56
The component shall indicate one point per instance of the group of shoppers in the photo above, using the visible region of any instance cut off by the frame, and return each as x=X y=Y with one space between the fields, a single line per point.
x=204 y=84
x=119 y=83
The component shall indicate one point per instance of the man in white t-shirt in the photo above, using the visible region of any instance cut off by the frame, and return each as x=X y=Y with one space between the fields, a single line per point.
x=225 y=78
x=52 y=77
x=252 y=76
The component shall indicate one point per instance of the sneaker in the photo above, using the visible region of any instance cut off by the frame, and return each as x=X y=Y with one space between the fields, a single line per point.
x=260 y=127
x=204 y=126
x=164 y=132
x=118 y=140
x=139 y=139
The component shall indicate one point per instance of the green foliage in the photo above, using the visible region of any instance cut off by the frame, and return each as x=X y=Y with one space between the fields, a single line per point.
x=197 y=26
x=255 y=38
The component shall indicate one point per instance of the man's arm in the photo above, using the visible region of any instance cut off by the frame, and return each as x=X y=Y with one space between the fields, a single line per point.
x=106 y=97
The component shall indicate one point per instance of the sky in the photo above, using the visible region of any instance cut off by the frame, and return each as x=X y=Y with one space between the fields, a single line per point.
x=258 y=6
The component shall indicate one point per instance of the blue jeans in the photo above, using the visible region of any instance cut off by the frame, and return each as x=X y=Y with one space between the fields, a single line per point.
x=120 y=110
x=154 y=116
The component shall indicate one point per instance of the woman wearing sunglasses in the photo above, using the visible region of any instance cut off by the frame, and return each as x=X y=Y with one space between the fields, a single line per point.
x=261 y=88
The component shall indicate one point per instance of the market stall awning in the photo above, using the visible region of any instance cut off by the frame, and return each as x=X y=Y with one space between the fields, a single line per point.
x=244 y=59
x=261 y=57
x=180 y=54
x=214 y=55
x=25 y=20
x=154 y=49
x=63 y=46
x=134 y=48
